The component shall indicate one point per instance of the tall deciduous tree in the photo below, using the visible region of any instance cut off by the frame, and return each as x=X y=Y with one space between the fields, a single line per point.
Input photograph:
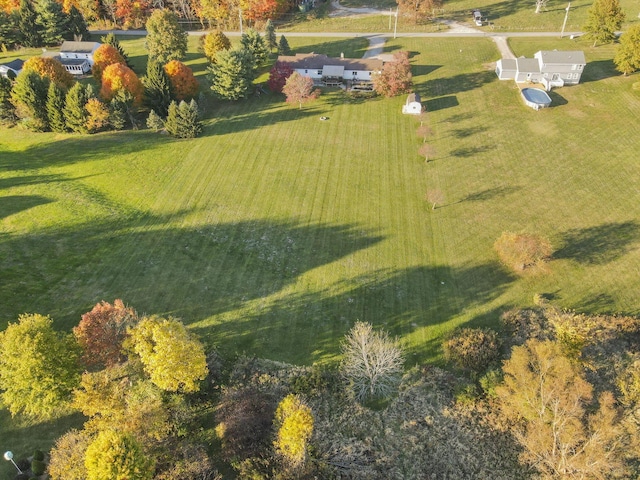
x=166 y=40
x=172 y=357
x=232 y=74
x=183 y=82
x=522 y=251
x=101 y=332
x=29 y=97
x=38 y=367
x=104 y=56
x=294 y=426
x=550 y=397
x=604 y=18
x=372 y=362
x=157 y=89
x=117 y=456
x=259 y=10
x=118 y=77
x=55 y=108
x=627 y=58
x=51 y=69
x=214 y=42
x=299 y=89
x=395 y=77
x=252 y=41
x=66 y=460
x=278 y=76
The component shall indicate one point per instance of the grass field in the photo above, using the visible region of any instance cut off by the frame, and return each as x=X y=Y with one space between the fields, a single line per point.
x=273 y=232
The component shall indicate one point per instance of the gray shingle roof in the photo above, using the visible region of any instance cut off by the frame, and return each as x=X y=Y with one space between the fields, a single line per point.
x=313 y=61
x=566 y=57
x=78 y=47
x=528 y=65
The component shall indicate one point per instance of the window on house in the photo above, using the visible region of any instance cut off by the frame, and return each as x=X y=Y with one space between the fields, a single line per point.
x=580 y=67
x=306 y=71
x=319 y=72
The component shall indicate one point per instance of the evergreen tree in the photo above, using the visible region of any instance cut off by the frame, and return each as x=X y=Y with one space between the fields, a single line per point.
x=29 y=35
x=111 y=39
x=55 y=108
x=253 y=42
x=213 y=42
x=270 y=35
x=52 y=22
x=232 y=74
x=29 y=96
x=9 y=36
x=7 y=110
x=77 y=26
x=121 y=110
x=75 y=113
x=605 y=17
x=182 y=120
x=283 y=46
x=157 y=89
x=154 y=121
x=172 y=122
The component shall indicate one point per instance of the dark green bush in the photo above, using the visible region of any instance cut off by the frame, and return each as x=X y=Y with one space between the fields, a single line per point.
x=472 y=348
x=38 y=455
x=38 y=467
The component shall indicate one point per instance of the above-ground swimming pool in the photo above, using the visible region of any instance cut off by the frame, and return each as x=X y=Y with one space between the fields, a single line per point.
x=535 y=98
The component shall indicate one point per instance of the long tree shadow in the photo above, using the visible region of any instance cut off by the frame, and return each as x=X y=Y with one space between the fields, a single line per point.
x=599 y=245
x=303 y=328
x=192 y=273
x=17 y=203
x=599 y=70
x=489 y=194
x=458 y=83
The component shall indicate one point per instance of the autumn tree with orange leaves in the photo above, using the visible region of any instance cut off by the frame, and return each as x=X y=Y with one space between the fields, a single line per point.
x=132 y=13
x=182 y=80
x=49 y=68
x=104 y=56
x=101 y=332
x=118 y=77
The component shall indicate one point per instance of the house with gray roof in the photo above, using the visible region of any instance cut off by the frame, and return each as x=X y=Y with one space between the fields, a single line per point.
x=332 y=71
x=11 y=69
x=552 y=68
x=77 y=57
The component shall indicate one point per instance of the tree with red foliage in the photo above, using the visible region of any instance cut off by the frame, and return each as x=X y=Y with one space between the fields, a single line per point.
x=259 y=10
x=104 y=56
x=132 y=13
x=182 y=80
x=299 y=89
x=278 y=76
x=49 y=68
x=395 y=77
x=120 y=77
x=101 y=331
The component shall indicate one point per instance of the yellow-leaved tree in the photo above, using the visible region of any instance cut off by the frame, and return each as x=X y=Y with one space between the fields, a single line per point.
x=173 y=358
x=117 y=456
x=294 y=424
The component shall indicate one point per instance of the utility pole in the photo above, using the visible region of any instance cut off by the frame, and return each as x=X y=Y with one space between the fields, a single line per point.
x=240 y=14
x=390 y=15
x=566 y=15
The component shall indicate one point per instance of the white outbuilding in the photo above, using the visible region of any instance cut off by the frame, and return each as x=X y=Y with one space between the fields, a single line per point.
x=413 y=105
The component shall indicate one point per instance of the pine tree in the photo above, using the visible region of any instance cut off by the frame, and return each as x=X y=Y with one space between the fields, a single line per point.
x=55 y=108
x=53 y=22
x=154 y=121
x=232 y=74
x=182 y=120
x=166 y=40
x=9 y=35
x=29 y=96
x=270 y=35
x=283 y=46
x=77 y=26
x=7 y=110
x=121 y=110
x=111 y=39
x=172 y=122
x=29 y=35
x=254 y=43
x=157 y=89
x=75 y=113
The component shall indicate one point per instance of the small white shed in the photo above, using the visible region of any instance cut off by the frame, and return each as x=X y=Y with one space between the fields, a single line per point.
x=413 y=105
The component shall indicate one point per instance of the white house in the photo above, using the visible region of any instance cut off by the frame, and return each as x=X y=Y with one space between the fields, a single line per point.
x=413 y=105
x=11 y=69
x=551 y=68
x=333 y=71
x=77 y=57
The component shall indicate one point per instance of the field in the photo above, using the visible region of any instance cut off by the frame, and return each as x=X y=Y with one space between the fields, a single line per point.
x=273 y=232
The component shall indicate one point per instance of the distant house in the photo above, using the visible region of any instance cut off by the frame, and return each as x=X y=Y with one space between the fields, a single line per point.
x=77 y=57
x=413 y=105
x=334 y=71
x=552 y=68
x=11 y=69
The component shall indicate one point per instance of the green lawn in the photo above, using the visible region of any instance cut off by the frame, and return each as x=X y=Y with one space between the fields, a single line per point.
x=274 y=232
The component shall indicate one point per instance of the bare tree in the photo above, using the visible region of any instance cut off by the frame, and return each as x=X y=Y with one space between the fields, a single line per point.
x=540 y=4
x=434 y=197
x=424 y=131
x=426 y=151
x=372 y=362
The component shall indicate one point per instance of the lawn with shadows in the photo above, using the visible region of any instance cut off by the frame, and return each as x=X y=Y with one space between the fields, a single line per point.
x=273 y=232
